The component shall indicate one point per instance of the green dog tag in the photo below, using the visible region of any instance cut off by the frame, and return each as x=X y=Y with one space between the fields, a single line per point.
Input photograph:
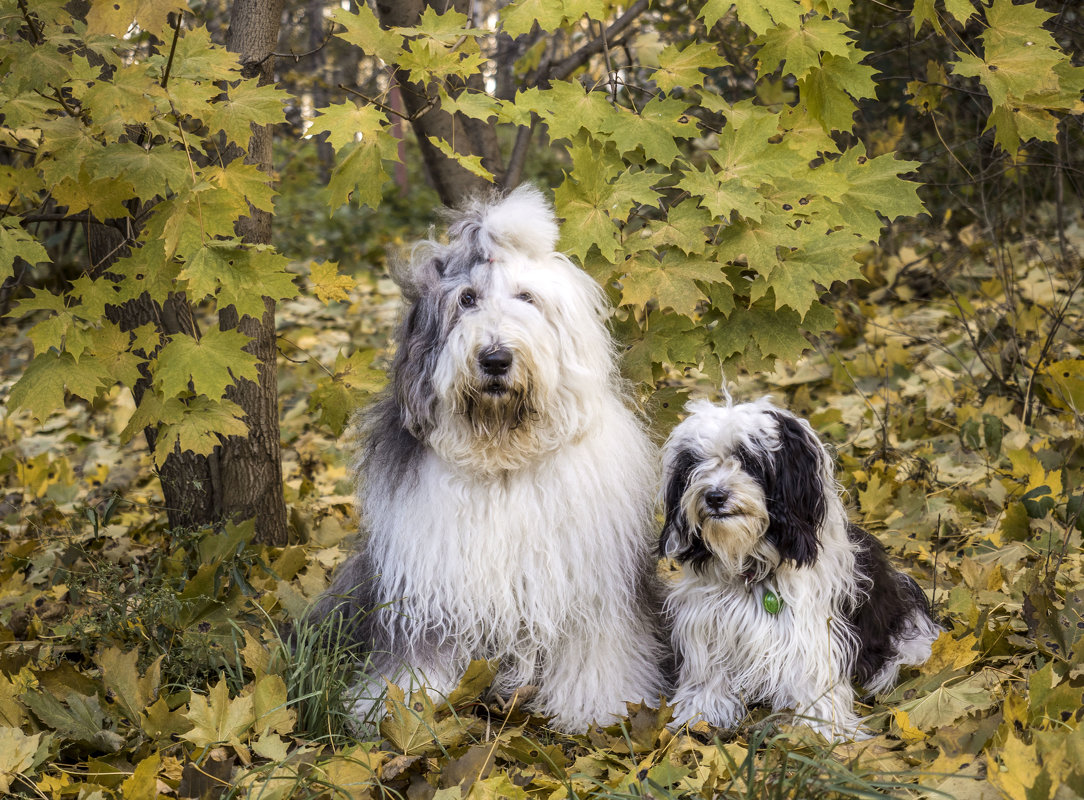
x=772 y=602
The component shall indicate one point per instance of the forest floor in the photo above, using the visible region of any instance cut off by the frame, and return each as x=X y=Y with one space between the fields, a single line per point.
x=140 y=662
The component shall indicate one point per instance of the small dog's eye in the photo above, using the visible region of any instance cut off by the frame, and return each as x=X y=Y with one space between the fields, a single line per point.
x=526 y=297
x=467 y=299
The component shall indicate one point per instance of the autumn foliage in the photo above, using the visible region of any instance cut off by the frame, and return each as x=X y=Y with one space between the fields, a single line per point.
x=872 y=212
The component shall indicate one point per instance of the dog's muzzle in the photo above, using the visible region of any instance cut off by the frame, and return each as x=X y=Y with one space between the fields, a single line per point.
x=495 y=363
x=715 y=502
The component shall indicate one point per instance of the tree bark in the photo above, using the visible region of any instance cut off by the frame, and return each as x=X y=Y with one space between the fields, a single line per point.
x=250 y=466
x=190 y=486
x=469 y=137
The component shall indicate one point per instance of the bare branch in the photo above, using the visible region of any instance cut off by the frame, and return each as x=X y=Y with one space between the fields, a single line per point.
x=569 y=65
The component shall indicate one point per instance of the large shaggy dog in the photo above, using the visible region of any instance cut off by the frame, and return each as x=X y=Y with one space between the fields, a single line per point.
x=504 y=483
x=781 y=600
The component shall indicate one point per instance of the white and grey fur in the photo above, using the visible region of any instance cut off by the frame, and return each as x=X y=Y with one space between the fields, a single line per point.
x=752 y=506
x=505 y=484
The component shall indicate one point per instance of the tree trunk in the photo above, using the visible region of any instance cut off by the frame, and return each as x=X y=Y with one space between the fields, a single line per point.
x=190 y=485
x=250 y=466
x=470 y=136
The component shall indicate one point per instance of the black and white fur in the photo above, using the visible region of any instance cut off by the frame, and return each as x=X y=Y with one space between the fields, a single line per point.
x=506 y=487
x=751 y=507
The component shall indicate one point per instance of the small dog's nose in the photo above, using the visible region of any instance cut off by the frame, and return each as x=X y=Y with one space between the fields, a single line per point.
x=496 y=361
x=716 y=499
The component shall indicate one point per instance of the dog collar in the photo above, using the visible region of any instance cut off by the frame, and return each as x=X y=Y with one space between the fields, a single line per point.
x=770 y=599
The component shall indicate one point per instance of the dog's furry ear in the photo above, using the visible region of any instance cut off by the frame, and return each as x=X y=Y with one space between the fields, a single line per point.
x=416 y=274
x=678 y=540
x=796 y=501
x=415 y=362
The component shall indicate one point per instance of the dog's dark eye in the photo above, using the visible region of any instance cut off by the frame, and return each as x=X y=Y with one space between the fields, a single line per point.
x=468 y=298
x=526 y=297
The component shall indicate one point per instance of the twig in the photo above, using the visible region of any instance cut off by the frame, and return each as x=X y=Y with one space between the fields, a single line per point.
x=35 y=34
x=569 y=65
x=298 y=56
x=389 y=109
x=172 y=48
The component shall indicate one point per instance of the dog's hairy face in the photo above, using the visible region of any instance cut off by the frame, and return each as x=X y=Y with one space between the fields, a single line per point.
x=744 y=489
x=504 y=344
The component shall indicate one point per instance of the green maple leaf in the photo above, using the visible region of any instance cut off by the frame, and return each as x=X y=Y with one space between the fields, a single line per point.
x=211 y=363
x=760 y=334
x=1021 y=123
x=582 y=201
x=759 y=15
x=922 y=12
x=69 y=144
x=804 y=274
x=326 y=282
x=682 y=227
x=655 y=129
x=244 y=184
x=721 y=197
x=875 y=189
x=247 y=104
x=359 y=174
x=428 y=59
x=116 y=17
x=146 y=269
x=353 y=380
x=151 y=171
x=17 y=243
x=683 y=67
x=566 y=107
x=446 y=28
x=25 y=109
x=257 y=273
x=31 y=68
x=671 y=281
x=758 y=243
x=130 y=96
x=41 y=386
x=827 y=91
x=520 y=16
x=747 y=154
x=478 y=105
x=111 y=356
x=801 y=48
x=1022 y=22
x=346 y=123
x=960 y=10
x=471 y=163
x=198 y=427
x=363 y=29
x=198 y=60
x=664 y=339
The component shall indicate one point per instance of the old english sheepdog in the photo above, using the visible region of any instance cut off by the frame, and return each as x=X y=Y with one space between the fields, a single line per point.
x=505 y=484
x=781 y=600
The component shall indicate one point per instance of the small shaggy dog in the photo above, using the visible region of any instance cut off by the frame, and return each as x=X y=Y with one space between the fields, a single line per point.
x=506 y=487
x=781 y=600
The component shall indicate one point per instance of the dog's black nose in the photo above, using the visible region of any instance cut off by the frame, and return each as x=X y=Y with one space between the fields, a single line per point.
x=495 y=362
x=716 y=499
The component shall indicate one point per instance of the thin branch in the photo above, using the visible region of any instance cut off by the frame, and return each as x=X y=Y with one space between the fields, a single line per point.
x=298 y=56
x=518 y=156
x=82 y=217
x=388 y=109
x=172 y=48
x=35 y=34
x=569 y=65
